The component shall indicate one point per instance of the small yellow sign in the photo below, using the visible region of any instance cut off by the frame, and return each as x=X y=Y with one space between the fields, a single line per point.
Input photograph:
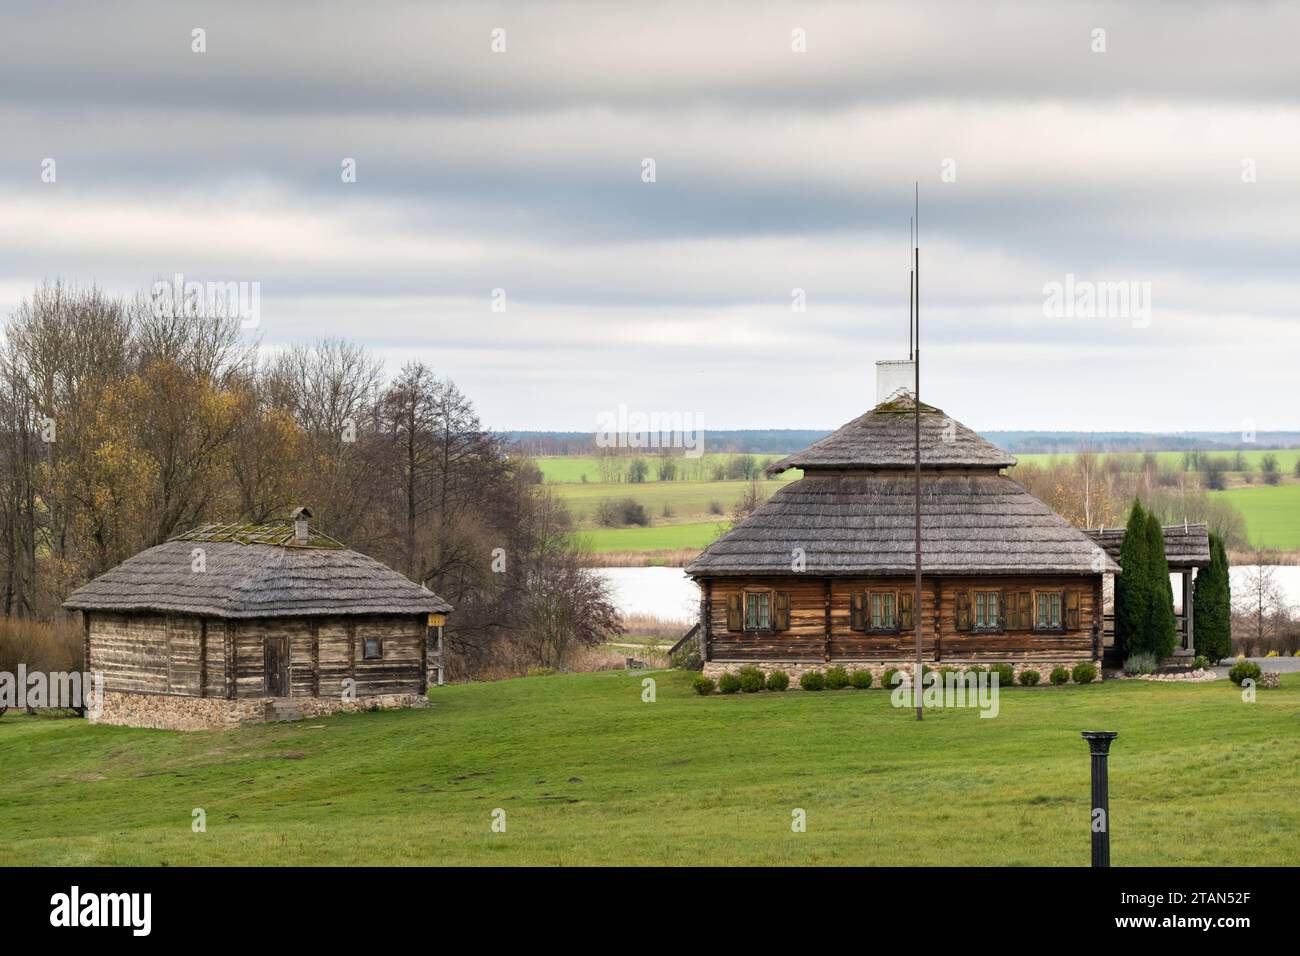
x=437 y=620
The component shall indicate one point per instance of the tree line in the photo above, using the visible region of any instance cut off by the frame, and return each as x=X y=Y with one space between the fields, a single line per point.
x=123 y=423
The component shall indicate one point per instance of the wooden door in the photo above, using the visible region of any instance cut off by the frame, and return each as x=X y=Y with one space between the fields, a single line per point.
x=277 y=667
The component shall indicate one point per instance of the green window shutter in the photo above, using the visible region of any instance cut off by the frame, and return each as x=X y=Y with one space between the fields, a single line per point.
x=906 y=619
x=781 y=620
x=858 y=611
x=1072 y=610
x=734 y=621
x=963 y=611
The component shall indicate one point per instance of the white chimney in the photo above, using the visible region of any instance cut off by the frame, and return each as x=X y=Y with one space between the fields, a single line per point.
x=892 y=376
x=300 y=516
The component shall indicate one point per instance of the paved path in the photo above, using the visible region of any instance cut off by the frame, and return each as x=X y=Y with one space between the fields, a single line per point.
x=1283 y=665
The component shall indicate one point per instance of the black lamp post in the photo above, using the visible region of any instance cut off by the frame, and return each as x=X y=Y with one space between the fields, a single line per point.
x=1099 y=747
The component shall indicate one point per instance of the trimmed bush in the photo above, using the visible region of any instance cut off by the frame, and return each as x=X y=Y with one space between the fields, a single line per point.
x=837 y=678
x=729 y=683
x=887 y=678
x=752 y=680
x=976 y=669
x=1140 y=664
x=1006 y=674
x=1200 y=662
x=702 y=685
x=1085 y=672
x=812 y=680
x=1029 y=677
x=1059 y=676
x=778 y=680
x=861 y=679
x=1239 y=671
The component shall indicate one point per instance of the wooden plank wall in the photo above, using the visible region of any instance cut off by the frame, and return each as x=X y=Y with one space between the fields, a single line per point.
x=131 y=651
x=323 y=652
x=191 y=656
x=807 y=638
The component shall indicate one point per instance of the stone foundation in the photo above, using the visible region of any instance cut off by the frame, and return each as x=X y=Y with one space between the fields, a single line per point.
x=176 y=712
x=796 y=669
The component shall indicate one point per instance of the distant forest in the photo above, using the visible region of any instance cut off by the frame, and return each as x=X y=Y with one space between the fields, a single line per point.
x=784 y=441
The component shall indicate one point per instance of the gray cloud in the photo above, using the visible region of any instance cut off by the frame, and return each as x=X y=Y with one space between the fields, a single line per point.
x=776 y=170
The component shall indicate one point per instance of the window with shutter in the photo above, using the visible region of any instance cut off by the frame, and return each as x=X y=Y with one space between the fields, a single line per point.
x=734 y=622
x=858 y=611
x=986 y=610
x=963 y=611
x=1047 y=610
x=1072 y=610
x=781 y=611
x=883 y=610
x=906 y=620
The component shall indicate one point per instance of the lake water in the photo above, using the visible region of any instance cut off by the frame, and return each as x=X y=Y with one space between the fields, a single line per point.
x=669 y=593
x=659 y=592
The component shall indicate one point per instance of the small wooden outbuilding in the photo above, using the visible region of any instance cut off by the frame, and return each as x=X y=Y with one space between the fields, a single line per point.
x=231 y=623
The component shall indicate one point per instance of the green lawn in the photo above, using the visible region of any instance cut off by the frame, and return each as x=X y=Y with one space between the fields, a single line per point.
x=655 y=538
x=1272 y=514
x=589 y=774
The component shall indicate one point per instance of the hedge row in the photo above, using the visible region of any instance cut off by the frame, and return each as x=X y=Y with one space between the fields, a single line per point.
x=751 y=679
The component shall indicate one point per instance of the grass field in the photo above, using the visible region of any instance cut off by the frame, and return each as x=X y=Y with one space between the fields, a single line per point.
x=655 y=538
x=683 y=498
x=1286 y=458
x=589 y=774
x=565 y=469
x=1272 y=514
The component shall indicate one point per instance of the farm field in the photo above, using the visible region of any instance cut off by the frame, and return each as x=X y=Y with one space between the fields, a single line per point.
x=570 y=469
x=1272 y=514
x=666 y=537
x=589 y=774
x=685 y=499
x=1286 y=458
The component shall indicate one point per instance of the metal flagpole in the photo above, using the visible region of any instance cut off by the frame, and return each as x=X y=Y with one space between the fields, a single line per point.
x=916 y=401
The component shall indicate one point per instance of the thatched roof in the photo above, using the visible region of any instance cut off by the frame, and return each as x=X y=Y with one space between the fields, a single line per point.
x=885 y=437
x=244 y=576
x=865 y=524
x=1186 y=545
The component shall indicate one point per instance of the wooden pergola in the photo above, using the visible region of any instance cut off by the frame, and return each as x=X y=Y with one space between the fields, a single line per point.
x=1187 y=547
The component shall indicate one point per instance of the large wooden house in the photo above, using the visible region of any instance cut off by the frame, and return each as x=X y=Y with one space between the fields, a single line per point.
x=234 y=623
x=823 y=572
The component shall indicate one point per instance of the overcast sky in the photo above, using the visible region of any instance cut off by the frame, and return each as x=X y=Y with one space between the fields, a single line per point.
x=1171 y=159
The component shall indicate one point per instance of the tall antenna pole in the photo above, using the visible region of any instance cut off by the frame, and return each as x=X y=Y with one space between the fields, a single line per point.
x=911 y=278
x=916 y=401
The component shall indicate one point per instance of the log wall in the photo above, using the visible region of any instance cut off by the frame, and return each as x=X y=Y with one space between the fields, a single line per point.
x=189 y=656
x=820 y=618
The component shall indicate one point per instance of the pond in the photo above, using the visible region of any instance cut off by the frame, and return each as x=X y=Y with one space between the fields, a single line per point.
x=658 y=592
